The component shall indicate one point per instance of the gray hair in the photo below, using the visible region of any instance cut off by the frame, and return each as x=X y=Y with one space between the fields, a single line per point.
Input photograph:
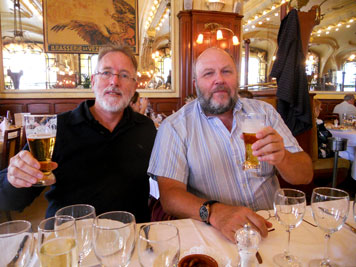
x=349 y=97
x=117 y=48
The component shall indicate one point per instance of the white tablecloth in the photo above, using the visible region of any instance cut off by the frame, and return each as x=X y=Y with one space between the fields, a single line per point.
x=307 y=242
x=349 y=154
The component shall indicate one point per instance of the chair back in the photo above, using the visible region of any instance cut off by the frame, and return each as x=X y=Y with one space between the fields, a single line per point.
x=11 y=146
x=23 y=138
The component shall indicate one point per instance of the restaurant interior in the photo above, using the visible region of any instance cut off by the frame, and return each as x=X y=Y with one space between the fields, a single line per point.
x=46 y=60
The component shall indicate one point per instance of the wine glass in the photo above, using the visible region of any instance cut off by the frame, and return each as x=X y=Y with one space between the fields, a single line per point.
x=57 y=242
x=158 y=245
x=16 y=243
x=330 y=207
x=84 y=216
x=289 y=207
x=114 y=238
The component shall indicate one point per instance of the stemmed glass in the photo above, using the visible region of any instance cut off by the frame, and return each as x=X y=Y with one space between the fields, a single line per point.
x=158 y=245
x=84 y=216
x=330 y=207
x=57 y=242
x=16 y=243
x=114 y=238
x=289 y=207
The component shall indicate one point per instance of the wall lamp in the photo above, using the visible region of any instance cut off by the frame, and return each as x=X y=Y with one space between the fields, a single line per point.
x=215 y=28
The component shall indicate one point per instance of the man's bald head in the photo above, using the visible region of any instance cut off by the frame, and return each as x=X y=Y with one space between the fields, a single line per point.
x=209 y=52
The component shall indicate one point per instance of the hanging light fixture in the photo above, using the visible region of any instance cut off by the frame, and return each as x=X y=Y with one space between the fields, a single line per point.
x=215 y=28
x=18 y=43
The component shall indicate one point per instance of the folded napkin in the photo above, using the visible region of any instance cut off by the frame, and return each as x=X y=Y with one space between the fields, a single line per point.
x=4 y=125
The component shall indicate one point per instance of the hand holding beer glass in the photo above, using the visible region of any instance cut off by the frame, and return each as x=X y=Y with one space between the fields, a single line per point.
x=41 y=136
x=251 y=124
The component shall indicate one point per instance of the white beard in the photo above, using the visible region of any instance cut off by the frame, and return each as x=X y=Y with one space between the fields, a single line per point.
x=112 y=104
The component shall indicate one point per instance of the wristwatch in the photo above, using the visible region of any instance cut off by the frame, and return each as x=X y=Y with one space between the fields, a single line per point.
x=204 y=210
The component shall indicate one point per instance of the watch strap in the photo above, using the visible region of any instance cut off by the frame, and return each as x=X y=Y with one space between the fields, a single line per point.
x=208 y=205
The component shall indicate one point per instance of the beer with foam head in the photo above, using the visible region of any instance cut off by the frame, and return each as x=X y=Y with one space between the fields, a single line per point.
x=41 y=136
x=251 y=124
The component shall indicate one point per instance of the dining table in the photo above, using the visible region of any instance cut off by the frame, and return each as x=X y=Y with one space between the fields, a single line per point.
x=307 y=243
x=349 y=153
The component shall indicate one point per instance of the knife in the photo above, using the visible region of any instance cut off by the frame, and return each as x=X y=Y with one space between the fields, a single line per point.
x=18 y=253
x=259 y=258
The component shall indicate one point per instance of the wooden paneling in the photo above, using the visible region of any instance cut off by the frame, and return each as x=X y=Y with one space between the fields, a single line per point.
x=63 y=107
x=59 y=105
x=13 y=107
x=327 y=106
x=191 y=23
x=44 y=108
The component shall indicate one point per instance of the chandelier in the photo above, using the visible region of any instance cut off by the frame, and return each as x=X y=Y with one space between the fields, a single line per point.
x=18 y=43
x=215 y=28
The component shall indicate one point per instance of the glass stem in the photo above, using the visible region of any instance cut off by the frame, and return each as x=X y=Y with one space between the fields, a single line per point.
x=326 y=259
x=286 y=251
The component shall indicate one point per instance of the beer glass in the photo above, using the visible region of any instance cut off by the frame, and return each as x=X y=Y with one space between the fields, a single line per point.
x=251 y=123
x=41 y=136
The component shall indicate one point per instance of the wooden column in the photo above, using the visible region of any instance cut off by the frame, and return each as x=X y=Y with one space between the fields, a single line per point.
x=247 y=59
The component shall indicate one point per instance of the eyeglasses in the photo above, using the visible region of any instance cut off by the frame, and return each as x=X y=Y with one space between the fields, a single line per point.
x=107 y=75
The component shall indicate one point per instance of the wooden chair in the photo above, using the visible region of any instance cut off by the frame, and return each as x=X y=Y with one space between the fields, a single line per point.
x=11 y=146
x=23 y=138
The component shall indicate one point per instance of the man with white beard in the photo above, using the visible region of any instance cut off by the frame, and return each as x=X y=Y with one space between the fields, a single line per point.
x=198 y=150
x=101 y=152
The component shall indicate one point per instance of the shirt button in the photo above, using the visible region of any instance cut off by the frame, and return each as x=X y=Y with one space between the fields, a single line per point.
x=101 y=132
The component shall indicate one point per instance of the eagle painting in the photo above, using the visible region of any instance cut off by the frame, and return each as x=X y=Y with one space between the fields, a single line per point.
x=122 y=31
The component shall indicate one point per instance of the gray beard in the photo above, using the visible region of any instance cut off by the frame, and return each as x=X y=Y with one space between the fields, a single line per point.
x=107 y=106
x=215 y=109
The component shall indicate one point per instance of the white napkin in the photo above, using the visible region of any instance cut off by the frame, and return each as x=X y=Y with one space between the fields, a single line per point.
x=20 y=118
x=4 y=125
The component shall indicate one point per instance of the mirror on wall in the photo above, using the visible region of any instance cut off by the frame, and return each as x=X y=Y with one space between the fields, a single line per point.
x=331 y=56
x=26 y=66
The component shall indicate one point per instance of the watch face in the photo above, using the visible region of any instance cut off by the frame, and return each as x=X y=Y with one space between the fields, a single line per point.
x=204 y=213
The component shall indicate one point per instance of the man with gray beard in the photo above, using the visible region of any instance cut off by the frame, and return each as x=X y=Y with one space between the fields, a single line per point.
x=101 y=152
x=198 y=150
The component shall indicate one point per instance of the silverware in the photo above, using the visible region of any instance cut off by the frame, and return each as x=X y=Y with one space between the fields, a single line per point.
x=18 y=253
x=350 y=227
x=146 y=230
x=312 y=224
x=259 y=258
